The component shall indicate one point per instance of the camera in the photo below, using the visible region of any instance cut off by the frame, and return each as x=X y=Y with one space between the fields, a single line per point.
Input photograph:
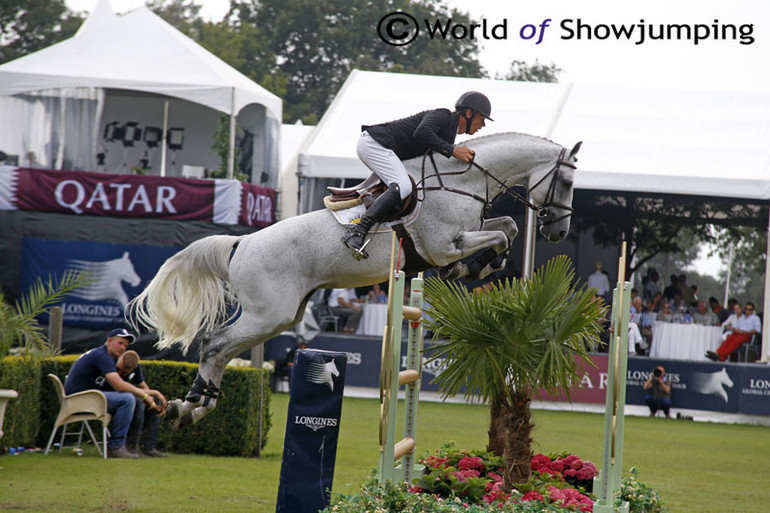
x=657 y=373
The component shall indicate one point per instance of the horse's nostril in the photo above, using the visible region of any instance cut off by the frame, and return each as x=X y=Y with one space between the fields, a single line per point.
x=562 y=234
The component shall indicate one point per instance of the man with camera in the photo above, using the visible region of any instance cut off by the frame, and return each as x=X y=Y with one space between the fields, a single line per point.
x=658 y=392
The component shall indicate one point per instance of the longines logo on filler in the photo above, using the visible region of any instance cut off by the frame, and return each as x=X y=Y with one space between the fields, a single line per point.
x=315 y=423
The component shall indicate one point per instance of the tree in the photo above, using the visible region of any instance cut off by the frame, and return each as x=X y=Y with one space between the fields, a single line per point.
x=317 y=44
x=535 y=72
x=18 y=324
x=652 y=225
x=506 y=344
x=27 y=26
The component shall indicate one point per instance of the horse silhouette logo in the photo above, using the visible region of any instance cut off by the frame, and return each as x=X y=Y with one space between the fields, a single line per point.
x=106 y=279
x=321 y=373
x=712 y=383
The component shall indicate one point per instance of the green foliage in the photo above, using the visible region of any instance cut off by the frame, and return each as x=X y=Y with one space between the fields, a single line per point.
x=22 y=416
x=31 y=25
x=639 y=496
x=523 y=334
x=230 y=430
x=535 y=72
x=19 y=326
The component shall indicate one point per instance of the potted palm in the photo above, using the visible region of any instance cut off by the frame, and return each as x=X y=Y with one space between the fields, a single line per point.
x=506 y=344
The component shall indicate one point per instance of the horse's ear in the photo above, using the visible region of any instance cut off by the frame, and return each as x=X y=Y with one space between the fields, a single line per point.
x=125 y=255
x=575 y=149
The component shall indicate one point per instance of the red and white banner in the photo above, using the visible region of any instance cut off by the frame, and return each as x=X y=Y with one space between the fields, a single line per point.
x=105 y=194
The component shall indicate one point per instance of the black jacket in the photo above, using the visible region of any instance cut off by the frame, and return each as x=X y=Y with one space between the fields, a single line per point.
x=414 y=135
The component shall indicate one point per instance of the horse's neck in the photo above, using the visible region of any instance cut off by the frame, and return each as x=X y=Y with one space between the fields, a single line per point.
x=511 y=158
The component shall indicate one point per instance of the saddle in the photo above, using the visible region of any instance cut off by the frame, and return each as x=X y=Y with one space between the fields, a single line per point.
x=366 y=193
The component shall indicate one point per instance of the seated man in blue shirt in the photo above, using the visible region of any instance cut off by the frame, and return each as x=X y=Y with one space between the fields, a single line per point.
x=93 y=370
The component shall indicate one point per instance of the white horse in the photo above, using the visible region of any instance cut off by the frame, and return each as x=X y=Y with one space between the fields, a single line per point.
x=272 y=273
x=106 y=279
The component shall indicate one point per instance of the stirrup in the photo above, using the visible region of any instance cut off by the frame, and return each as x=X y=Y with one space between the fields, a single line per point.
x=360 y=253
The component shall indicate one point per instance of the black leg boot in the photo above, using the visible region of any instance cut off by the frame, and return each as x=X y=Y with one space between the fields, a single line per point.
x=384 y=207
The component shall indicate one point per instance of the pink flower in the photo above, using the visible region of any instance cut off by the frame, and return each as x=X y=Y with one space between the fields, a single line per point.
x=463 y=475
x=471 y=462
x=558 y=465
x=532 y=495
x=435 y=461
x=415 y=489
x=495 y=477
x=570 y=472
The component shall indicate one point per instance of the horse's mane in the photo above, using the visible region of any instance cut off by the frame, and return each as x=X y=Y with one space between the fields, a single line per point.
x=522 y=135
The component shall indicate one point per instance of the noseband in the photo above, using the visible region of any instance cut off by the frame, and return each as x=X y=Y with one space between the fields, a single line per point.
x=541 y=210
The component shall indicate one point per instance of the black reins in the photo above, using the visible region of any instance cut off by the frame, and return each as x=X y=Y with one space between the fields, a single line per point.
x=541 y=210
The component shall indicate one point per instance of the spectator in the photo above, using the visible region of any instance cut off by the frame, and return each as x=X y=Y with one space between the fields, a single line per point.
x=658 y=392
x=341 y=303
x=721 y=312
x=665 y=314
x=657 y=301
x=704 y=316
x=377 y=295
x=740 y=333
x=287 y=366
x=687 y=293
x=143 y=434
x=668 y=292
x=96 y=367
x=599 y=281
x=651 y=287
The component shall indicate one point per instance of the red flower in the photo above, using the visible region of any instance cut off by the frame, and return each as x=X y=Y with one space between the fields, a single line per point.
x=532 y=495
x=415 y=489
x=471 y=462
x=540 y=461
x=435 y=461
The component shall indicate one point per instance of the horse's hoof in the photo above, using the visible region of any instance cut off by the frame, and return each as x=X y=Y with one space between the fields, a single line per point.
x=172 y=410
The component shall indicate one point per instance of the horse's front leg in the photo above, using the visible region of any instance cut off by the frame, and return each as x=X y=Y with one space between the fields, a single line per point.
x=490 y=260
x=494 y=236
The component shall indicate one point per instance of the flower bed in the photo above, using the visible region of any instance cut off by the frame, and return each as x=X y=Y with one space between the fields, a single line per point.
x=470 y=481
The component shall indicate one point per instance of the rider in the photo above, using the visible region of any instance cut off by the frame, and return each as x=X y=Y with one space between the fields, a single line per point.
x=382 y=148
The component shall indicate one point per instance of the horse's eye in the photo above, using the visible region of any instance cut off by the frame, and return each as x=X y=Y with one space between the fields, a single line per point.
x=543 y=212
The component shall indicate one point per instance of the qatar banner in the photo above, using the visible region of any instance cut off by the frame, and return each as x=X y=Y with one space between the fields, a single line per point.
x=312 y=430
x=117 y=273
x=129 y=196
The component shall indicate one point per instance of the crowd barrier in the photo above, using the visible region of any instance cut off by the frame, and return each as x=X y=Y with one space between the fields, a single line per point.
x=708 y=386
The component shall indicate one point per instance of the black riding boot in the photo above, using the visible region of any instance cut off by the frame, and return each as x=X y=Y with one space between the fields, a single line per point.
x=384 y=207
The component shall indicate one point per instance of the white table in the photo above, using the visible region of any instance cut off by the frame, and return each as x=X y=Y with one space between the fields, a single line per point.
x=373 y=320
x=684 y=341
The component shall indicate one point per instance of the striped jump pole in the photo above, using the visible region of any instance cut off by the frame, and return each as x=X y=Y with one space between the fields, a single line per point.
x=397 y=457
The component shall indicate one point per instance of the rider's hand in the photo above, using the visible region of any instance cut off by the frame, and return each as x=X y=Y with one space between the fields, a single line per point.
x=463 y=153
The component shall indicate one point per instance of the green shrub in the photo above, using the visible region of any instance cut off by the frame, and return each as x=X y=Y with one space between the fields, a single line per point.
x=230 y=430
x=22 y=417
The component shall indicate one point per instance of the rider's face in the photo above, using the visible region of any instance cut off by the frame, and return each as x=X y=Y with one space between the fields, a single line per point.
x=477 y=123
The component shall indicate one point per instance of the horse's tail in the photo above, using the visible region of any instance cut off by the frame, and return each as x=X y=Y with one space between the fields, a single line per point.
x=189 y=294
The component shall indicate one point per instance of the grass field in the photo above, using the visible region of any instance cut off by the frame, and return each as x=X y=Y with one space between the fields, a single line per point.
x=697 y=467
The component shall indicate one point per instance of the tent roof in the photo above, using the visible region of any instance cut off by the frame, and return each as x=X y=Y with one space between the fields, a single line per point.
x=641 y=140
x=136 y=51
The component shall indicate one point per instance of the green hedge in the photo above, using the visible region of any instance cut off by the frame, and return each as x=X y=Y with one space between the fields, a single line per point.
x=22 y=417
x=230 y=430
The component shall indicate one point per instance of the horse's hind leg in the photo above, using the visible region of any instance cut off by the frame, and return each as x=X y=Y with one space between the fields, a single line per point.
x=218 y=348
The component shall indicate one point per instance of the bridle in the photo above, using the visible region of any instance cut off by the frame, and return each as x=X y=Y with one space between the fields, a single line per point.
x=541 y=210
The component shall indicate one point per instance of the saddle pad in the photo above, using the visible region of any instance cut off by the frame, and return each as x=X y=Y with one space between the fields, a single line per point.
x=352 y=215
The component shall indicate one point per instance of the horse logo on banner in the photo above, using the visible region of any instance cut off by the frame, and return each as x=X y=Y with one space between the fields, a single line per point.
x=709 y=383
x=321 y=373
x=106 y=279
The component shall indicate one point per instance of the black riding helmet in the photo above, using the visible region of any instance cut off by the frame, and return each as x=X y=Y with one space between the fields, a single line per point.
x=475 y=101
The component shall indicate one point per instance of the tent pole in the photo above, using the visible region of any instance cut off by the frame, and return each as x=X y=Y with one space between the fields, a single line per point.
x=528 y=259
x=231 y=150
x=163 y=138
x=765 y=336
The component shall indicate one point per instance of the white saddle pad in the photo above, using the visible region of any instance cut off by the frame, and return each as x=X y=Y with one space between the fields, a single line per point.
x=352 y=215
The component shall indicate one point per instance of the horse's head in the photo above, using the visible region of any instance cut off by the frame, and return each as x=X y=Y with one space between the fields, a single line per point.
x=124 y=270
x=551 y=189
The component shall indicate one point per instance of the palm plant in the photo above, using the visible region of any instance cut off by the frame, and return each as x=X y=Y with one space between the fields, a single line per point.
x=18 y=324
x=506 y=344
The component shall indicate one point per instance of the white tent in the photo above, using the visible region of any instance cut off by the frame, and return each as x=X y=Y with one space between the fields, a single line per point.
x=138 y=51
x=714 y=144
x=657 y=141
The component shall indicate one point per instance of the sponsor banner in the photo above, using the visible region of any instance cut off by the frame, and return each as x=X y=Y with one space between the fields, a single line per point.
x=312 y=430
x=130 y=196
x=118 y=272
x=708 y=386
